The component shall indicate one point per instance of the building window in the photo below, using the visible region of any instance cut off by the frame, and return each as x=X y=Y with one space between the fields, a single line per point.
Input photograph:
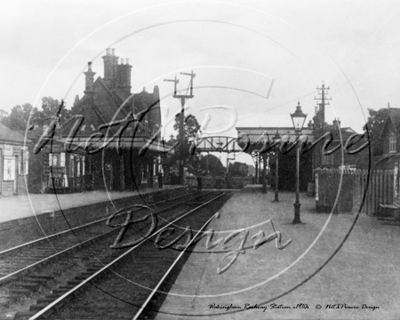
x=72 y=166
x=392 y=143
x=27 y=162
x=9 y=168
x=62 y=159
x=55 y=160
x=24 y=161
x=327 y=160
x=21 y=163
x=78 y=167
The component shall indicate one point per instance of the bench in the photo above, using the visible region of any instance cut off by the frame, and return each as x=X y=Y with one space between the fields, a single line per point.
x=392 y=208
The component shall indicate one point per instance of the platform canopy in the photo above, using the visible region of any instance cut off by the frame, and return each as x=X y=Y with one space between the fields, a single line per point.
x=125 y=143
x=257 y=136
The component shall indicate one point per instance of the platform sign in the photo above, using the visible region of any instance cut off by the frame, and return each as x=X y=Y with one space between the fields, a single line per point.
x=8 y=150
x=9 y=169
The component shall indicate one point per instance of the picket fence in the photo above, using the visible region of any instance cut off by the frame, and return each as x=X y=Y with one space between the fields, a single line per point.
x=377 y=186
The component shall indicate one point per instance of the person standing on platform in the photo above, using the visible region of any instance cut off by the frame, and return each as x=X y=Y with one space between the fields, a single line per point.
x=160 y=180
x=199 y=181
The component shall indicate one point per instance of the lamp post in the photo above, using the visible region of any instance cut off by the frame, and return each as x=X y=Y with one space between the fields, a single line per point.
x=264 y=175
x=277 y=137
x=256 y=169
x=298 y=119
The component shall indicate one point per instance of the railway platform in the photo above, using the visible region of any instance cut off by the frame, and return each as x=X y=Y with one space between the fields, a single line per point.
x=327 y=260
x=22 y=206
x=25 y=218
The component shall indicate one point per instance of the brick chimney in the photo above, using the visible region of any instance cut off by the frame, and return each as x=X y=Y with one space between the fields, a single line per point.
x=123 y=77
x=110 y=67
x=336 y=124
x=89 y=79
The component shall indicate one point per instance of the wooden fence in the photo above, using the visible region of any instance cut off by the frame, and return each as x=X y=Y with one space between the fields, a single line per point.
x=383 y=187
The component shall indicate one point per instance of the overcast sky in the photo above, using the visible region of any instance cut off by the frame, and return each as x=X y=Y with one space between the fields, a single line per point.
x=257 y=57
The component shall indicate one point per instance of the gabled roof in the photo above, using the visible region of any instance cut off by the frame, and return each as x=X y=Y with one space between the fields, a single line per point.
x=115 y=98
x=347 y=129
x=394 y=114
x=394 y=117
x=8 y=135
x=343 y=135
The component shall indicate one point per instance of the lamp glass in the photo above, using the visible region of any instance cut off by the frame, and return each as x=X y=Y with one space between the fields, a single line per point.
x=298 y=119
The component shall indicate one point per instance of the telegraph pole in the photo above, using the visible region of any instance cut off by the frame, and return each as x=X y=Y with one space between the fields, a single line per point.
x=319 y=121
x=182 y=98
x=322 y=96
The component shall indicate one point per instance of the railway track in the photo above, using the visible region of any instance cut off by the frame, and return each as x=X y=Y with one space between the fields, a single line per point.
x=62 y=275
x=15 y=262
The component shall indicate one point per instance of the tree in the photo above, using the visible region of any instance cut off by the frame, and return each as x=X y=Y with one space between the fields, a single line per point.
x=190 y=129
x=3 y=114
x=375 y=124
x=181 y=151
x=212 y=165
x=238 y=169
x=50 y=108
x=19 y=117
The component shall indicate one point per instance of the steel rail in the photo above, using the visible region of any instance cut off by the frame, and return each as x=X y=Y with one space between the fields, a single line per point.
x=74 y=290
x=55 y=235
x=143 y=307
x=70 y=249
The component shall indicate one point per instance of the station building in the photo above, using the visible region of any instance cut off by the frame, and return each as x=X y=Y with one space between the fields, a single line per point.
x=390 y=135
x=53 y=170
x=121 y=129
x=14 y=162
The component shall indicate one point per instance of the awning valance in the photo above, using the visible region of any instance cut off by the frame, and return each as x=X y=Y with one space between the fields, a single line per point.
x=124 y=143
